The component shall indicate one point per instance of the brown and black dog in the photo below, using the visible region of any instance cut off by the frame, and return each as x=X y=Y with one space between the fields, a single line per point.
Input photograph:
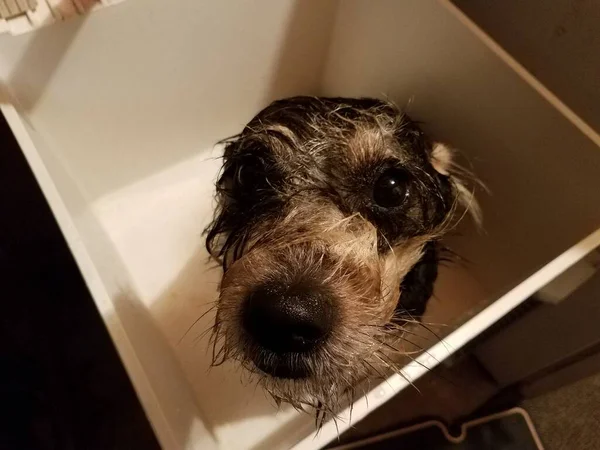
x=329 y=213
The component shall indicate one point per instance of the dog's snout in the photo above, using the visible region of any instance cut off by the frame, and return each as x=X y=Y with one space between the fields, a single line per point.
x=288 y=319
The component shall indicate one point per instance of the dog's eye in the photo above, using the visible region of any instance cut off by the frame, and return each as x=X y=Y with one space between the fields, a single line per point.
x=251 y=174
x=391 y=188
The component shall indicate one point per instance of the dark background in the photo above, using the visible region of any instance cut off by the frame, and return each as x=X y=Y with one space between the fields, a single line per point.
x=62 y=385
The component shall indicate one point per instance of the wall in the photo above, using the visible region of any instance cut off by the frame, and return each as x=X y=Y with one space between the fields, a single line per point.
x=558 y=41
x=137 y=87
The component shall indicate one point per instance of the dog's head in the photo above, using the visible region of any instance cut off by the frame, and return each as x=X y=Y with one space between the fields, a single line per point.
x=326 y=207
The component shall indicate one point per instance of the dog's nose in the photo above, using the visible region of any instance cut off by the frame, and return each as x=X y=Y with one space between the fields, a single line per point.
x=288 y=319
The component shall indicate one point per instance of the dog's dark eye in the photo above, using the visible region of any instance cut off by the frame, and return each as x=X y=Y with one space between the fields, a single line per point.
x=391 y=188
x=251 y=174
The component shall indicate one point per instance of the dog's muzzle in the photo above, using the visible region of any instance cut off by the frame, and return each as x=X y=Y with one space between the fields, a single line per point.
x=287 y=322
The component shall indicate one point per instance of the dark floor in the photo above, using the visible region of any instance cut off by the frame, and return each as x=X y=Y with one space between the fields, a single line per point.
x=568 y=418
x=62 y=385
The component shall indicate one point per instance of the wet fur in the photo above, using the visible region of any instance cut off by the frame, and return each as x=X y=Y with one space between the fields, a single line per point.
x=294 y=202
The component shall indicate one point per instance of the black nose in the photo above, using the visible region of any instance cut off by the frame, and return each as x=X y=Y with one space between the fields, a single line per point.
x=288 y=319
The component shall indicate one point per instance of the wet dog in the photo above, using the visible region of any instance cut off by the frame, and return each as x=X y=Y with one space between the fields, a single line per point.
x=329 y=213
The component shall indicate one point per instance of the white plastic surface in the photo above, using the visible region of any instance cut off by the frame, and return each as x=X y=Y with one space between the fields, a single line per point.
x=47 y=12
x=119 y=128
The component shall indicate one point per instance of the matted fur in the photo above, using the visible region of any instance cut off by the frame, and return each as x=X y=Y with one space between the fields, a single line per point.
x=295 y=202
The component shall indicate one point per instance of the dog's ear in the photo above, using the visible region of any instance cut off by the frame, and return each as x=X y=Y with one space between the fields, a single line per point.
x=417 y=287
x=442 y=159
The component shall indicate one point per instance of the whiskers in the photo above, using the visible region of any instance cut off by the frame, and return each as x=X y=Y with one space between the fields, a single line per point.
x=204 y=314
x=351 y=358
